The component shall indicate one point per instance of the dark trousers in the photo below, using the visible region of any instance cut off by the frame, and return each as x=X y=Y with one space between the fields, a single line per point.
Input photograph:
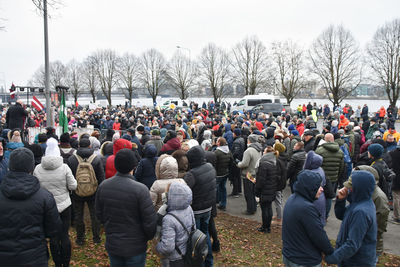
x=328 y=201
x=177 y=263
x=236 y=181
x=248 y=188
x=212 y=229
x=60 y=245
x=266 y=214
x=79 y=223
x=202 y=221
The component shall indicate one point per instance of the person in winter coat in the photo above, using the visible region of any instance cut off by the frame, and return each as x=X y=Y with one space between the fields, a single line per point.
x=300 y=127
x=395 y=155
x=281 y=164
x=266 y=186
x=228 y=135
x=106 y=150
x=14 y=143
x=155 y=139
x=381 y=205
x=65 y=147
x=117 y=146
x=28 y=214
x=173 y=235
x=171 y=143
x=309 y=140
x=375 y=152
x=373 y=127
x=223 y=160
x=296 y=163
x=343 y=122
x=145 y=172
x=356 y=241
x=85 y=152
x=303 y=235
x=207 y=139
x=54 y=175
x=183 y=164
x=124 y=207
x=313 y=163
x=16 y=116
x=3 y=160
x=166 y=171
x=201 y=179
x=248 y=168
x=238 y=148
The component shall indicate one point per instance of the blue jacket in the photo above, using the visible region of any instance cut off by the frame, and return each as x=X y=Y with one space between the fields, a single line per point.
x=145 y=172
x=314 y=163
x=10 y=147
x=356 y=241
x=303 y=235
x=228 y=135
x=3 y=168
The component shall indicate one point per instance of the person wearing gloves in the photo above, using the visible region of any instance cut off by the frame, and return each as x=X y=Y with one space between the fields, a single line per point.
x=54 y=175
x=173 y=236
x=356 y=241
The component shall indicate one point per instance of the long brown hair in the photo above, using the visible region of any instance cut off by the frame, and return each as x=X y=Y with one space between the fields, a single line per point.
x=271 y=149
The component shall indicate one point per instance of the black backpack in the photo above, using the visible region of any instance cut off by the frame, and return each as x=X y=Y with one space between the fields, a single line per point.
x=196 y=246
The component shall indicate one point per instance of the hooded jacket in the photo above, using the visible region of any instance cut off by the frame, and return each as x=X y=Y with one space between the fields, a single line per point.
x=314 y=162
x=238 y=148
x=172 y=232
x=250 y=159
x=166 y=171
x=356 y=241
x=228 y=135
x=170 y=146
x=183 y=164
x=223 y=160
x=267 y=178
x=201 y=178
x=125 y=208
x=333 y=163
x=56 y=177
x=118 y=145
x=145 y=172
x=28 y=216
x=303 y=235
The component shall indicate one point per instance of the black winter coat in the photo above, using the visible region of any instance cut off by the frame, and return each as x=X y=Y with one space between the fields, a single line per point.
x=15 y=117
x=202 y=181
x=125 y=208
x=309 y=145
x=281 y=167
x=97 y=166
x=395 y=155
x=238 y=148
x=267 y=178
x=296 y=164
x=145 y=172
x=224 y=160
x=29 y=215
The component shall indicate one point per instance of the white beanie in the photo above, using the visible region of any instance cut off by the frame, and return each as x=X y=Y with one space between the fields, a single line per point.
x=52 y=148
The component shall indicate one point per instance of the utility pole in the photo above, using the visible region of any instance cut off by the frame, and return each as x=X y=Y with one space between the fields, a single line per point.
x=50 y=118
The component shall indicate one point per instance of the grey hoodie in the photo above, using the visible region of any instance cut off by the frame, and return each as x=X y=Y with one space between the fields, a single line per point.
x=250 y=159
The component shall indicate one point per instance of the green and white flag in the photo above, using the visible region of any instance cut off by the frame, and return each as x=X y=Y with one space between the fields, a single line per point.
x=63 y=114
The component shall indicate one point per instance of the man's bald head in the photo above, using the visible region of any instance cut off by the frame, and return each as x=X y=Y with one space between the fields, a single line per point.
x=329 y=138
x=19 y=101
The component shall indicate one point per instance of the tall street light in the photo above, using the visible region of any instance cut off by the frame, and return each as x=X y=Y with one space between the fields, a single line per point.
x=50 y=119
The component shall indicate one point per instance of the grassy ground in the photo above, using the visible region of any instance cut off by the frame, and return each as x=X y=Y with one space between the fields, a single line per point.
x=241 y=245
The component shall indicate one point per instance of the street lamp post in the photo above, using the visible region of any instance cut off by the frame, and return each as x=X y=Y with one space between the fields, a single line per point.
x=50 y=119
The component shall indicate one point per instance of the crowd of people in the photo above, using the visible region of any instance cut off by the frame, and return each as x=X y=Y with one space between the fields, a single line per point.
x=158 y=174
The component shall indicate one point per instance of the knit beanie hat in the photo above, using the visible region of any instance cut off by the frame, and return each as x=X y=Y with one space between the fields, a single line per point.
x=65 y=138
x=84 y=142
x=125 y=161
x=279 y=147
x=127 y=137
x=253 y=138
x=52 y=148
x=237 y=132
x=115 y=137
x=21 y=160
x=376 y=150
x=295 y=132
x=291 y=127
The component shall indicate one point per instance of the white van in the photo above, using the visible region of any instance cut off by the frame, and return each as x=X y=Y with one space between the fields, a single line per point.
x=250 y=101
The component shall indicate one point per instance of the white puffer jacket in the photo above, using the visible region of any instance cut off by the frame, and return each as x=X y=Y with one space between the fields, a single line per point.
x=166 y=173
x=56 y=177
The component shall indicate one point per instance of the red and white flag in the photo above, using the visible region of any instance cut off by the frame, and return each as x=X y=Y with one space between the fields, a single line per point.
x=12 y=91
x=36 y=104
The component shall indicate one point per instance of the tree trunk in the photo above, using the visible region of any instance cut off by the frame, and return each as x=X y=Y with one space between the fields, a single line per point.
x=94 y=97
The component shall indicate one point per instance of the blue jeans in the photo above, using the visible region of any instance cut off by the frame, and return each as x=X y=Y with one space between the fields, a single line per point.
x=288 y=263
x=202 y=224
x=134 y=261
x=221 y=190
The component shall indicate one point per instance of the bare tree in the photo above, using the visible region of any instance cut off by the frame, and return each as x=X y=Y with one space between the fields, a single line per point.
x=89 y=77
x=74 y=79
x=128 y=70
x=214 y=67
x=153 y=72
x=250 y=66
x=335 y=60
x=288 y=60
x=384 y=58
x=182 y=73
x=58 y=74
x=106 y=68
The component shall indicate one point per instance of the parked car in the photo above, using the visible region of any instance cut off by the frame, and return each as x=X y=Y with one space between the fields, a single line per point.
x=266 y=108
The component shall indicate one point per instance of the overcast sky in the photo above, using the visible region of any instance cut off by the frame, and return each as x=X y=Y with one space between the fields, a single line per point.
x=80 y=27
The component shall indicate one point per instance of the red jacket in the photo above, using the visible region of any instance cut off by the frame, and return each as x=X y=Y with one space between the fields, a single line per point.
x=172 y=145
x=118 y=145
x=300 y=128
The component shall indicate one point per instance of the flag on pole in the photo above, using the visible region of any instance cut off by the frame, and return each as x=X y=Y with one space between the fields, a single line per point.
x=63 y=114
x=12 y=91
x=36 y=104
